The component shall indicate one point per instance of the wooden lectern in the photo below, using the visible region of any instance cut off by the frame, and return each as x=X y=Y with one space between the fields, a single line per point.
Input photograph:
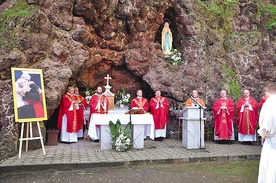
x=193 y=128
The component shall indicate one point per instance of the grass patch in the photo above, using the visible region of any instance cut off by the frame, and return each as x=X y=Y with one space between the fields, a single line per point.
x=230 y=78
x=10 y=19
x=219 y=14
x=266 y=10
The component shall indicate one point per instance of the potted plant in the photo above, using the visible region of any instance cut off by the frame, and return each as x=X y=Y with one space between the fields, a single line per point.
x=52 y=131
x=120 y=136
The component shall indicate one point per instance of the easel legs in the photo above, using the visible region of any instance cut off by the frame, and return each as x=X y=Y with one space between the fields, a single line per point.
x=20 y=140
x=41 y=138
x=29 y=126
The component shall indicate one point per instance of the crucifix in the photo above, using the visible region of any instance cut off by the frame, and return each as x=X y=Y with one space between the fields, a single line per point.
x=109 y=94
x=107 y=78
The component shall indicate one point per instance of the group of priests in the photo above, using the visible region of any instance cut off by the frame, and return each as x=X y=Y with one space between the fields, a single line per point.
x=71 y=118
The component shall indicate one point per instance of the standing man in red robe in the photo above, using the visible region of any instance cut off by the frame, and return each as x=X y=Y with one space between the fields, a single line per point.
x=223 y=110
x=80 y=111
x=141 y=103
x=159 y=107
x=67 y=117
x=247 y=117
x=98 y=105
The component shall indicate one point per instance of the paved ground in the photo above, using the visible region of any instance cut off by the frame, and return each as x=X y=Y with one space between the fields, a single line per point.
x=86 y=153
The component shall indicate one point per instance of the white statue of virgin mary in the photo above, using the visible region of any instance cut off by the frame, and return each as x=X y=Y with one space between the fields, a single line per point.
x=167 y=39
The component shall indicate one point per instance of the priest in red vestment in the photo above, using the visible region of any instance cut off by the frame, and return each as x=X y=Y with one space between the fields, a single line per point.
x=159 y=107
x=67 y=117
x=141 y=103
x=223 y=110
x=98 y=105
x=191 y=101
x=247 y=117
x=80 y=111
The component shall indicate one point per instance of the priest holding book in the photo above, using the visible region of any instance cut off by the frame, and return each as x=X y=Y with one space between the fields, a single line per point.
x=142 y=106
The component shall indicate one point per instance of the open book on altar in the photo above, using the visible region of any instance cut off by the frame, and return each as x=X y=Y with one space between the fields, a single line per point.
x=135 y=110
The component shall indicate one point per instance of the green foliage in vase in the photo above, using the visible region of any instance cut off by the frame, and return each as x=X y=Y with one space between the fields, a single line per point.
x=120 y=136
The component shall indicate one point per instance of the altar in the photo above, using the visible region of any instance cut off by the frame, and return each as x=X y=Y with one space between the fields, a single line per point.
x=138 y=125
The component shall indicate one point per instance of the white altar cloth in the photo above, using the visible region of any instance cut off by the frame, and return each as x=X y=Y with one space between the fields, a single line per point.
x=138 y=122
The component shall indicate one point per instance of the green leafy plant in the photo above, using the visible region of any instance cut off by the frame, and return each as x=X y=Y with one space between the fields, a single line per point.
x=219 y=13
x=230 y=78
x=268 y=11
x=174 y=58
x=122 y=97
x=13 y=16
x=120 y=136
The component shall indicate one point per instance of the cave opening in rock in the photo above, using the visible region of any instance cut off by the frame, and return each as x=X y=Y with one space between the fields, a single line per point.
x=121 y=77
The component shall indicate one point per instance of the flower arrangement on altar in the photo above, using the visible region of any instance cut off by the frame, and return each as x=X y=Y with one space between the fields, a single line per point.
x=120 y=136
x=122 y=97
x=174 y=58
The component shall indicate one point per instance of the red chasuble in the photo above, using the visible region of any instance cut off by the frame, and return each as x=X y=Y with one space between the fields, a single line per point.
x=160 y=114
x=71 y=115
x=140 y=102
x=247 y=119
x=80 y=112
x=223 y=119
x=98 y=104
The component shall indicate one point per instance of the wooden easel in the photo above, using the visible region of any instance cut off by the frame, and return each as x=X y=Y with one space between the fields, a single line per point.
x=30 y=137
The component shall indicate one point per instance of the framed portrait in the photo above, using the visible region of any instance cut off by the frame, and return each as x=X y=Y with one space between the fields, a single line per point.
x=28 y=95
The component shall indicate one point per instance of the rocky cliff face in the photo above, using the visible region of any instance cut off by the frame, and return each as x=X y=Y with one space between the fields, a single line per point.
x=227 y=45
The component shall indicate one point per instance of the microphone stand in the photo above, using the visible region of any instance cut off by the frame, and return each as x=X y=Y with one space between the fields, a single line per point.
x=130 y=109
x=200 y=107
